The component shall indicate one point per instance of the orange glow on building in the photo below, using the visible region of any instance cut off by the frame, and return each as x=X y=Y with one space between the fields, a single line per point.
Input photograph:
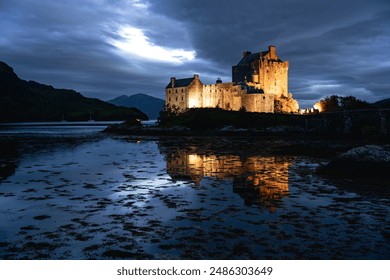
x=194 y=102
x=318 y=106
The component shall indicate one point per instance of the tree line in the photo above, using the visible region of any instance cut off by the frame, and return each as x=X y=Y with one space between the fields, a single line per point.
x=336 y=103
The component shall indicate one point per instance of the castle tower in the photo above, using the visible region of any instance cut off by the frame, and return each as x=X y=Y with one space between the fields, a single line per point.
x=265 y=69
x=273 y=73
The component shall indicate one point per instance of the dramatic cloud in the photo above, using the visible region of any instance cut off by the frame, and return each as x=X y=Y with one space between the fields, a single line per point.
x=108 y=48
x=134 y=41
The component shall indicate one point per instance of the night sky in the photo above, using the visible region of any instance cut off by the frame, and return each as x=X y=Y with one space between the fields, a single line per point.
x=105 y=48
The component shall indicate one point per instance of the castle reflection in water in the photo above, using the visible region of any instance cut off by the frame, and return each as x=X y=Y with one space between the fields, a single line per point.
x=257 y=179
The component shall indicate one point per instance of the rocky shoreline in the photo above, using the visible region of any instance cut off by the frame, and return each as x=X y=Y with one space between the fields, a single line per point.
x=369 y=163
x=137 y=130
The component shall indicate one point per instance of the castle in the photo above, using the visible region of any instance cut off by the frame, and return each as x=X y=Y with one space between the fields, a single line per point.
x=259 y=84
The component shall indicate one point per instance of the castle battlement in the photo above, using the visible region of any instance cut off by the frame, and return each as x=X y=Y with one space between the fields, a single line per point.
x=259 y=84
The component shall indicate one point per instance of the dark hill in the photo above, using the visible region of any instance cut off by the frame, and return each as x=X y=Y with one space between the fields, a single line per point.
x=146 y=103
x=22 y=100
x=384 y=103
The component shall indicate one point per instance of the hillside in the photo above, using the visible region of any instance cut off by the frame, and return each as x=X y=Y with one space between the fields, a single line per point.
x=22 y=100
x=146 y=103
x=384 y=103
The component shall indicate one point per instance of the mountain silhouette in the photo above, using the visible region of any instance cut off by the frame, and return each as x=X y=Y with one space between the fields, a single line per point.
x=384 y=103
x=148 y=104
x=22 y=100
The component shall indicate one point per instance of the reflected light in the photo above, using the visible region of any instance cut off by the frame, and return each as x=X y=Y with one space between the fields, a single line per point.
x=133 y=40
x=256 y=179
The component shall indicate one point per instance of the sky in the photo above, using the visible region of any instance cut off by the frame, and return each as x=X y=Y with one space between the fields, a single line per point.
x=108 y=48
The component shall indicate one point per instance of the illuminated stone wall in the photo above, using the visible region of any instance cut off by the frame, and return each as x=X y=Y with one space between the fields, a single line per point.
x=223 y=95
x=177 y=97
x=259 y=102
x=184 y=97
x=195 y=93
x=274 y=77
x=258 y=79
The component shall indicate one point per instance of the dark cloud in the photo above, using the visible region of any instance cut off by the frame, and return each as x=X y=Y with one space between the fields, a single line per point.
x=334 y=47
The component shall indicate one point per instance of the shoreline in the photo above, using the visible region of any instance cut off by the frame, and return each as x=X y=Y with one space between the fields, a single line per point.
x=276 y=132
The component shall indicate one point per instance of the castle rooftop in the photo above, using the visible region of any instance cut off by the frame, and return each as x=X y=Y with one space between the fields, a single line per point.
x=175 y=83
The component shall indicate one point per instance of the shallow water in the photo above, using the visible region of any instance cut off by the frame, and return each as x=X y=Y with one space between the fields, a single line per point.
x=93 y=196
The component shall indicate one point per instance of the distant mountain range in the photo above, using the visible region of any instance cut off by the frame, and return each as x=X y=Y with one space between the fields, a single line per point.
x=22 y=100
x=148 y=104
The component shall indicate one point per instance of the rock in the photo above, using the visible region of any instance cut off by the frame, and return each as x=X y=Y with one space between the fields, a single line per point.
x=369 y=162
x=283 y=129
x=230 y=128
x=368 y=154
x=178 y=128
x=227 y=128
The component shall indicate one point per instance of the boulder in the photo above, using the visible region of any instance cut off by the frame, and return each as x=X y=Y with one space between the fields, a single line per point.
x=369 y=162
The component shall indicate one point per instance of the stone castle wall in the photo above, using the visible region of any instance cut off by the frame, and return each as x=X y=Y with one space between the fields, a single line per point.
x=259 y=103
x=224 y=96
x=177 y=97
x=258 y=80
x=195 y=95
x=274 y=77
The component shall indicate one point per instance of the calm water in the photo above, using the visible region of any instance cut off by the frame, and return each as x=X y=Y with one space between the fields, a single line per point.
x=74 y=193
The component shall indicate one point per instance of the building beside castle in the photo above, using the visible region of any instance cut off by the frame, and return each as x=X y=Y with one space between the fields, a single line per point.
x=259 y=84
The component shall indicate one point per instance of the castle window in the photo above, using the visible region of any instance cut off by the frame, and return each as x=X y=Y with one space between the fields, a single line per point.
x=169 y=99
x=176 y=98
x=182 y=90
x=182 y=98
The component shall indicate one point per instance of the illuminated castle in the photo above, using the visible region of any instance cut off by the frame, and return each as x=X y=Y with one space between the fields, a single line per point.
x=260 y=84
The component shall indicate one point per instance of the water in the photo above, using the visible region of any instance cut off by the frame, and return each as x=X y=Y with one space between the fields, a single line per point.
x=75 y=193
x=54 y=128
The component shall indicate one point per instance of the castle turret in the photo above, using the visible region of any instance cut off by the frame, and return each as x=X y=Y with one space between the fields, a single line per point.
x=272 y=52
x=173 y=79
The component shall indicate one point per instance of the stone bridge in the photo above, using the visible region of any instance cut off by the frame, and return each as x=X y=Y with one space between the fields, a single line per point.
x=370 y=122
